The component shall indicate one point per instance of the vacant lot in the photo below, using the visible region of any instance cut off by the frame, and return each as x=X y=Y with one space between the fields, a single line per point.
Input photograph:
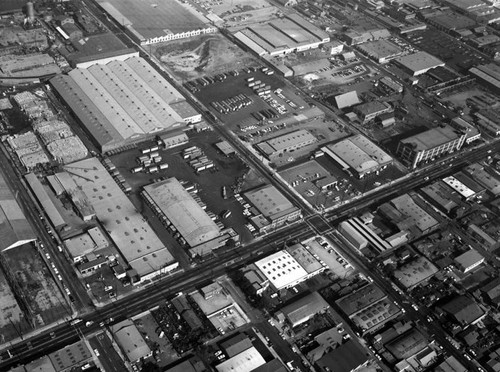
x=189 y=59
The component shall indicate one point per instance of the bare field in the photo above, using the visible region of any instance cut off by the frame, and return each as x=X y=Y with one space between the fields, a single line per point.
x=205 y=55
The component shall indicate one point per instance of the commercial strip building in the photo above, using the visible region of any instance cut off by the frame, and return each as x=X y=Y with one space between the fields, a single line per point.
x=246 y=361
x=123 y=103
x=418 y=63
x=149 y=23
x=429 y=145
x=415 y=272
x=485 y=177
x=137 y=242
x=465 y=186
x=289 y=142
x=359 y=155
x=273 y=208
x=282 y=36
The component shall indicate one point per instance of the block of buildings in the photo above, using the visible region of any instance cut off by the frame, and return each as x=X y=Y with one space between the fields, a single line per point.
x=484 y=177
x=369 y=308
x=273 y=208
x=415 y=272
x=408 y=344
x=132 y=235
x=429 y=145
x=71 y=357
x=359 y=155
x=471 y=132
x=488 y=74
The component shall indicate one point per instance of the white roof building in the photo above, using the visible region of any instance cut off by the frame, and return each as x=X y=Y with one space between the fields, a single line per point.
x=282 y=270
x=246 y=361
x=459 y=187
x=175 y=202
x=359 y=154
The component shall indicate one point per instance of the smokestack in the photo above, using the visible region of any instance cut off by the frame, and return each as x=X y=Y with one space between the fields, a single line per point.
x=30 y=11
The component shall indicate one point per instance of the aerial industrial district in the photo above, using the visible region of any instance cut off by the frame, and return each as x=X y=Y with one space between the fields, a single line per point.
x=249 y=185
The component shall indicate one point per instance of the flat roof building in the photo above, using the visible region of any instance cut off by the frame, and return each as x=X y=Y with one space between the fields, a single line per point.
x=133 y=236
x=121 y=103
x=465 y=310
x=358 y=154
x=347 y=357
x=415 y=272
x=370 y=110
x=150 y=23
x=274 y=208
x=289 y=142
x=282 y=270
x=71 y=356
x=488 y=74
x=418 y=63
x=484 y=177
x=178 y=206
x=381 y=51
x=347 y=99
x=305 y=259
x=440 y=195
x=130 y=340
x=429 y=145
x=307 y=307
x=408 y=344
x=469 y=260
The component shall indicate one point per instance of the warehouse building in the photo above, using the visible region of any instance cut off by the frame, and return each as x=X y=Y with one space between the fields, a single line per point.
x=471 y=132
x=274 y=209
x=359 y=155
x=89 y=242
x=415 y=272
x=188 y=218
x=46 y=203
x=133 y=236
x=123 y=103
x=289 y=142
x=130 y=340
x=465 y=186
x=440 y=196
x=286 y=35
x=369 y=308
x=469 y=260
x=351 y=234
x=348 y=357
x=418 y=63
x=149 y=23
x=360 y=234
x=408 y=344
x=464 y=310
x=429 y=145
x=306 y=259
x=485 y=178
x=347 y=99
x=488 y=74
x=370 y=110
x=381 y=51
x=304 y=309
x=15 y=229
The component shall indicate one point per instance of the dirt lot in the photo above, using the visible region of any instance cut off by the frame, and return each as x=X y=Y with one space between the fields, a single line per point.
x=189 y=59
x=35 y=284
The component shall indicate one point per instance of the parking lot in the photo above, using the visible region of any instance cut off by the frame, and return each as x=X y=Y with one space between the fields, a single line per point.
x=325 y=250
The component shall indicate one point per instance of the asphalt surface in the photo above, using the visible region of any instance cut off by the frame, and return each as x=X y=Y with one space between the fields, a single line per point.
x=108 y=357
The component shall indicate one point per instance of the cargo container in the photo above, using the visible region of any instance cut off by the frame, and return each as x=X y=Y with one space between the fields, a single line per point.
x=163 y=166
x=249 y=79
x=146 y=150
x=156 y=159
x=153 y=169
x=136 y=169
x=154 y=154
x=251 y=84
